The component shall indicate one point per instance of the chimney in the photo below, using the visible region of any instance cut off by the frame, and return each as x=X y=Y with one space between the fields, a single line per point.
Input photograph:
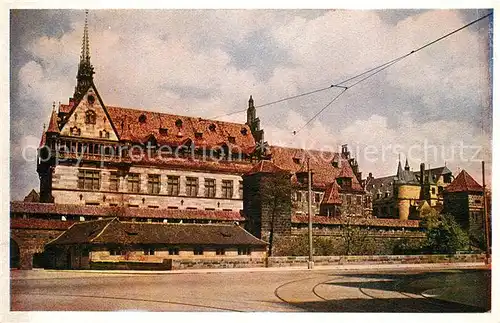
x=422 y=170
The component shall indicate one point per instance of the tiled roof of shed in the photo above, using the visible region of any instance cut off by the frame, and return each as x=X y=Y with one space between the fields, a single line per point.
x=113 y=231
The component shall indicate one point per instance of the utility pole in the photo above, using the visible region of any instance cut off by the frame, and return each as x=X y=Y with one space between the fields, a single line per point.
x=310 y=263
x=486 y=223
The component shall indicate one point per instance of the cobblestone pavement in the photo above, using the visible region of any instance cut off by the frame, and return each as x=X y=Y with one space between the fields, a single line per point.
x=361 y=290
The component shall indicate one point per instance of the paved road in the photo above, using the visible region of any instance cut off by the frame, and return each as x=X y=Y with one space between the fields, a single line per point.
x=396 y=290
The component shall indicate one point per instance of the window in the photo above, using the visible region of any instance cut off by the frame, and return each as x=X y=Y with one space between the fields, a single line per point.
x=117 y=252
x=232 y=139
x=348 y=199
x=198 y=251
x=209 y=187
x=240 y=189
x=173 y=185
x=149 y=251
x=113 y=181
x=358 y=200
x=220 y=251
x=89 y=179
x=173 y=251
x=298 y=196
x=90 y=117
x=317 y=197
x=227 y=189
x=198 y=135
x=178 y=123
x=191 y=186
x=142 y=118
x=433 y=190
x=134 y=183
x=244 y=251
x=153 y=184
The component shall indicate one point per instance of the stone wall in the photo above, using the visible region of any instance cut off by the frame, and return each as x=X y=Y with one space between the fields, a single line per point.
x=31 y=243
x=301 y=261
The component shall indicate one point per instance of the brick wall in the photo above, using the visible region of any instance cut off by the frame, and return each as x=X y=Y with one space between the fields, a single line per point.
x=31 y=242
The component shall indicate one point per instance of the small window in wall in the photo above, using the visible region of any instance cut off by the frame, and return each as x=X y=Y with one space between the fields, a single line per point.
x=317 y=197
x=173 y=251
x=440 y=190
x=232 y=139
x=198 y=135
x=220 y=251
x=198 y=251
x=172 y=185
x=244 y=251
x=433 y=190
x=209 y=187
x=191 y=186
x=153 y=184
x=240 y=189
x=117 y=252
x=227 y=189
x=298 y=196
x=149 y=251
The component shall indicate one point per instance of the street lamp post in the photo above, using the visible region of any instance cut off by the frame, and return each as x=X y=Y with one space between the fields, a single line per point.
x=310 y=263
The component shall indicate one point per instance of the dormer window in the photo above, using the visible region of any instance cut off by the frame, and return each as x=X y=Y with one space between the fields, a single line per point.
x=232 y=139
x=90 y=117
x=142 y=118
x=198 y=135
x=296 y=160
x=335 y=164
x=75 y=131
x=211 y=127
x=91 y=99
x=164 y=131
x=244 y=131
x=178 y=123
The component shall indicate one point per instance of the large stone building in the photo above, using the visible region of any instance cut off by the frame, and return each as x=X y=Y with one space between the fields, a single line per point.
x=100 y=161
x=405 y=194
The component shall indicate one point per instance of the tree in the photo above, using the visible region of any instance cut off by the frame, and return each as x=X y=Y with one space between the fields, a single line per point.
x=444 y=235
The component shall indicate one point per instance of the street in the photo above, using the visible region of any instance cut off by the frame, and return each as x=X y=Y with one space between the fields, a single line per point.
x=368 y=290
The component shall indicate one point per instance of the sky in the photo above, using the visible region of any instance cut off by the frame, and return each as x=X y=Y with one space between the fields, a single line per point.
x=428 y=107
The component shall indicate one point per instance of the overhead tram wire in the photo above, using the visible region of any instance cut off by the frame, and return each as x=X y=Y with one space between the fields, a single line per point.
x=387 y=65
x=375 y=70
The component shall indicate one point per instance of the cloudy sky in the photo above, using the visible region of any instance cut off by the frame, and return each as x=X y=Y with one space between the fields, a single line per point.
x=208 y=62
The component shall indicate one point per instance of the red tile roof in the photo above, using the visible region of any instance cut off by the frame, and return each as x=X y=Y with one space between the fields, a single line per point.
x=372 y=222
x=324 y=173
x=126 y=212
x=116 y=232
x=214 y=133
x=53 y=127
x=266 y=166
x=332 y=196
x=464 y=183
x=44 y=224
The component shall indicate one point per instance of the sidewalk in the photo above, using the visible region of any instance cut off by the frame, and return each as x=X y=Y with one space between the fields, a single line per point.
x=52 y=273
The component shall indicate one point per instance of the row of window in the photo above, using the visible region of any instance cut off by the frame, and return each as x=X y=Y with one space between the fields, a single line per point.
x=90 y=180
x=198 y=251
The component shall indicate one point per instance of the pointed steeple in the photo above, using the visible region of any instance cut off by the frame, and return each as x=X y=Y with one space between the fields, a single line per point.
x=53 y=127
x=407 y=166
x=399 y=174
x=85 y=73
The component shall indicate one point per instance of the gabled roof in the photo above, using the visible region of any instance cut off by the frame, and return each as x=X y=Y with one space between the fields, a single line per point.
x=266 y=166
x=332 y=196
x=113 y=231
x=177 y=129
x=464 y=183
x=321 y=163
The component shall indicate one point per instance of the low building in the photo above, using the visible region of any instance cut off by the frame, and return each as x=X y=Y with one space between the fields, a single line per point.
x=110 y=243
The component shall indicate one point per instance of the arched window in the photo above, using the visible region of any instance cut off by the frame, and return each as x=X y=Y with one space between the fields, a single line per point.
x=90 y=117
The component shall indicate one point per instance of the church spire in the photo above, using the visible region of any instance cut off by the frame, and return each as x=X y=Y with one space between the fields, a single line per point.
x=85 y=73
